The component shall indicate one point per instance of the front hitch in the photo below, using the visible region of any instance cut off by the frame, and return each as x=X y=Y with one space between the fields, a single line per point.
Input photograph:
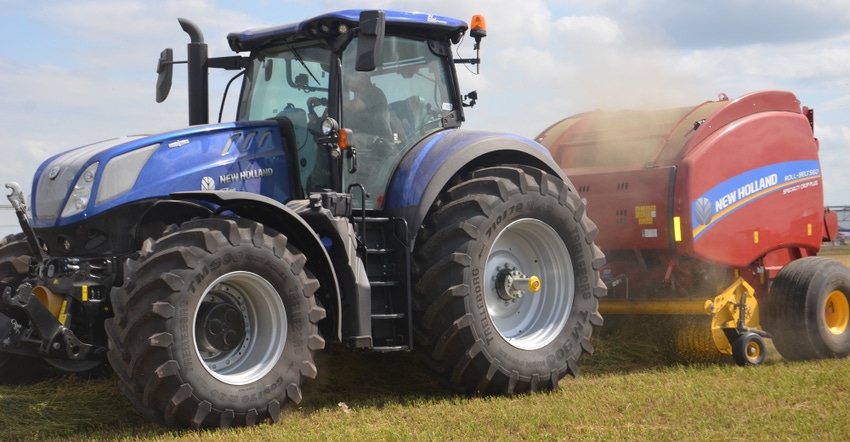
x=16 y=198
x=57 y=340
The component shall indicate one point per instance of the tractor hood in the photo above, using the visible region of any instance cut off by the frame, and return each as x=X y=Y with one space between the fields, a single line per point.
x=243 y=156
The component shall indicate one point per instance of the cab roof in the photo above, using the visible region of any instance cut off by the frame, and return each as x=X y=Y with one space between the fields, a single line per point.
x=417 y=24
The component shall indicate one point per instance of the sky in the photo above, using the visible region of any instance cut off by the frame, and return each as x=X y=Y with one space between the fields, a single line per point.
x=78 y=72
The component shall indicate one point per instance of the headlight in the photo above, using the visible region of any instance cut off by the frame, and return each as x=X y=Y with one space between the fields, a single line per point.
x=329 y=126
x=80 y=196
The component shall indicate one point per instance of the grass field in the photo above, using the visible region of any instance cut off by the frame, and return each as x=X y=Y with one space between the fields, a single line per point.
x=632 y=388
x=838 y=253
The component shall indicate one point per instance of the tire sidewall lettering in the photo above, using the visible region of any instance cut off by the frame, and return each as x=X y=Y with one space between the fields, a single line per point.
x=485 y=324
x=508 y=214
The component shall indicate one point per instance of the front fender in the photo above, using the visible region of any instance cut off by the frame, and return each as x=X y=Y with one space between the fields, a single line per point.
x=286 y=221
x=426 y=170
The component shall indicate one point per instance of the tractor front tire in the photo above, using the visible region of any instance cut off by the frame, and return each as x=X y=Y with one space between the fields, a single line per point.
x=477 y=330
x=215 y=325
x=807 y=310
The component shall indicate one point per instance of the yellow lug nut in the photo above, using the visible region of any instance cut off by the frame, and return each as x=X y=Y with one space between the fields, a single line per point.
x=534 y=284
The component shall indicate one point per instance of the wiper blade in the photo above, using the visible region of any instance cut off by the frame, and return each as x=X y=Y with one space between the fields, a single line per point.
x=301 y=60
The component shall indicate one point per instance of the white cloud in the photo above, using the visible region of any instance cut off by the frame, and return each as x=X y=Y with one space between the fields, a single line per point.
x=584 y=31
x=834 y=149
x=817 y=63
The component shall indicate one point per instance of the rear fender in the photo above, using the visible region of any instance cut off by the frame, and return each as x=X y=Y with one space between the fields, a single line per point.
x=272 y=213
x=429 y=167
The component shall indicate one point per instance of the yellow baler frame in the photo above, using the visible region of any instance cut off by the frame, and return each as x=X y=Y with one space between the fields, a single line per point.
x=725 y=311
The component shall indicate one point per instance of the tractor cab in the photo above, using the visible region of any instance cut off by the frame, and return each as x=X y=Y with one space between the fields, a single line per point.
x=316 y=93
x=352 y=91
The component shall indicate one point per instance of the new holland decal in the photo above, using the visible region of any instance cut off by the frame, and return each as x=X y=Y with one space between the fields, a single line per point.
x=738 y=191
x=209 y=183
x=244 y=175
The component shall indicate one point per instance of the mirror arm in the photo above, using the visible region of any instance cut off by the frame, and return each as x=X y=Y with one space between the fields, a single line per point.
x=231 y=63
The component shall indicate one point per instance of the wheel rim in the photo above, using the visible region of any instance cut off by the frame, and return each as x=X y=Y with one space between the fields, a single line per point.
x=240 y=328
x=837 y=312
x=753 y=350
x=533 y=248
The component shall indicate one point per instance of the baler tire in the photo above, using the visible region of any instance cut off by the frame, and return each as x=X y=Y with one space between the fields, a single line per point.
x=470 y=339
x=748 y=349
x=806 y=310
x=215 y=325
x=14 y=267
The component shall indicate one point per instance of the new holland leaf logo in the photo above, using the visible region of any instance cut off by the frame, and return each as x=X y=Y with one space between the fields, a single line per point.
x=207 y=183
x=703 y=212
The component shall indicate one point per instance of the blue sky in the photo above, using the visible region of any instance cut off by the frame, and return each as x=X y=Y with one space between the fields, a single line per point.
x=82 y=71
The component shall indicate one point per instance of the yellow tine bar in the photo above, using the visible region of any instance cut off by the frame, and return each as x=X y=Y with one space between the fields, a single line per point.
x=654 y=307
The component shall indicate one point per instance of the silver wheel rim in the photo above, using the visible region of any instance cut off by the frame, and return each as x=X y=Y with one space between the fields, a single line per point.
x=240 y=328
x=534 y=248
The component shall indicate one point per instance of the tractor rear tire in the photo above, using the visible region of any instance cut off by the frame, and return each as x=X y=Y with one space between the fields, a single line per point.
x=215 y=325
x=14 y=267
x=503 y=222
x=807 y=310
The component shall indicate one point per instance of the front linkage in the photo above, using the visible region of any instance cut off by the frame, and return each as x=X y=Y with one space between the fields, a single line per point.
x=48 y=310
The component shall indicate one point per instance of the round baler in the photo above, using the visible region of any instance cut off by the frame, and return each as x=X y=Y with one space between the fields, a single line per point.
x=714 y=209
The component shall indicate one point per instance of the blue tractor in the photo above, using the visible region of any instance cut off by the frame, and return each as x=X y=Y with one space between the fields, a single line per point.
x=344 y=205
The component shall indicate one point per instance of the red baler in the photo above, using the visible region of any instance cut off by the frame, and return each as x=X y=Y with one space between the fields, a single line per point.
x=709 y=202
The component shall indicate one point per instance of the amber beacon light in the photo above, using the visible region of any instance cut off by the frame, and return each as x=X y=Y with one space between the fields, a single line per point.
x=479 y=27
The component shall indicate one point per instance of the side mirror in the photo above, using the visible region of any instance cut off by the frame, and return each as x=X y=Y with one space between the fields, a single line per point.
x=370 y=42
x=165 y=68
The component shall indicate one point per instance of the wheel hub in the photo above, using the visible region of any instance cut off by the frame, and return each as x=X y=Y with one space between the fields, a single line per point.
x=837 y=312
x=512 y=284
x=753 y=350
x=223 y=328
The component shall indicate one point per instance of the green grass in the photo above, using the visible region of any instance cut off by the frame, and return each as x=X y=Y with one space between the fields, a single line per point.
x=629 y=389
x=831 y=251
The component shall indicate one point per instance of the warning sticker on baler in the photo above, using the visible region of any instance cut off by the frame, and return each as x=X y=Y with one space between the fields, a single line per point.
x=645 y=214
x=747 y=187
